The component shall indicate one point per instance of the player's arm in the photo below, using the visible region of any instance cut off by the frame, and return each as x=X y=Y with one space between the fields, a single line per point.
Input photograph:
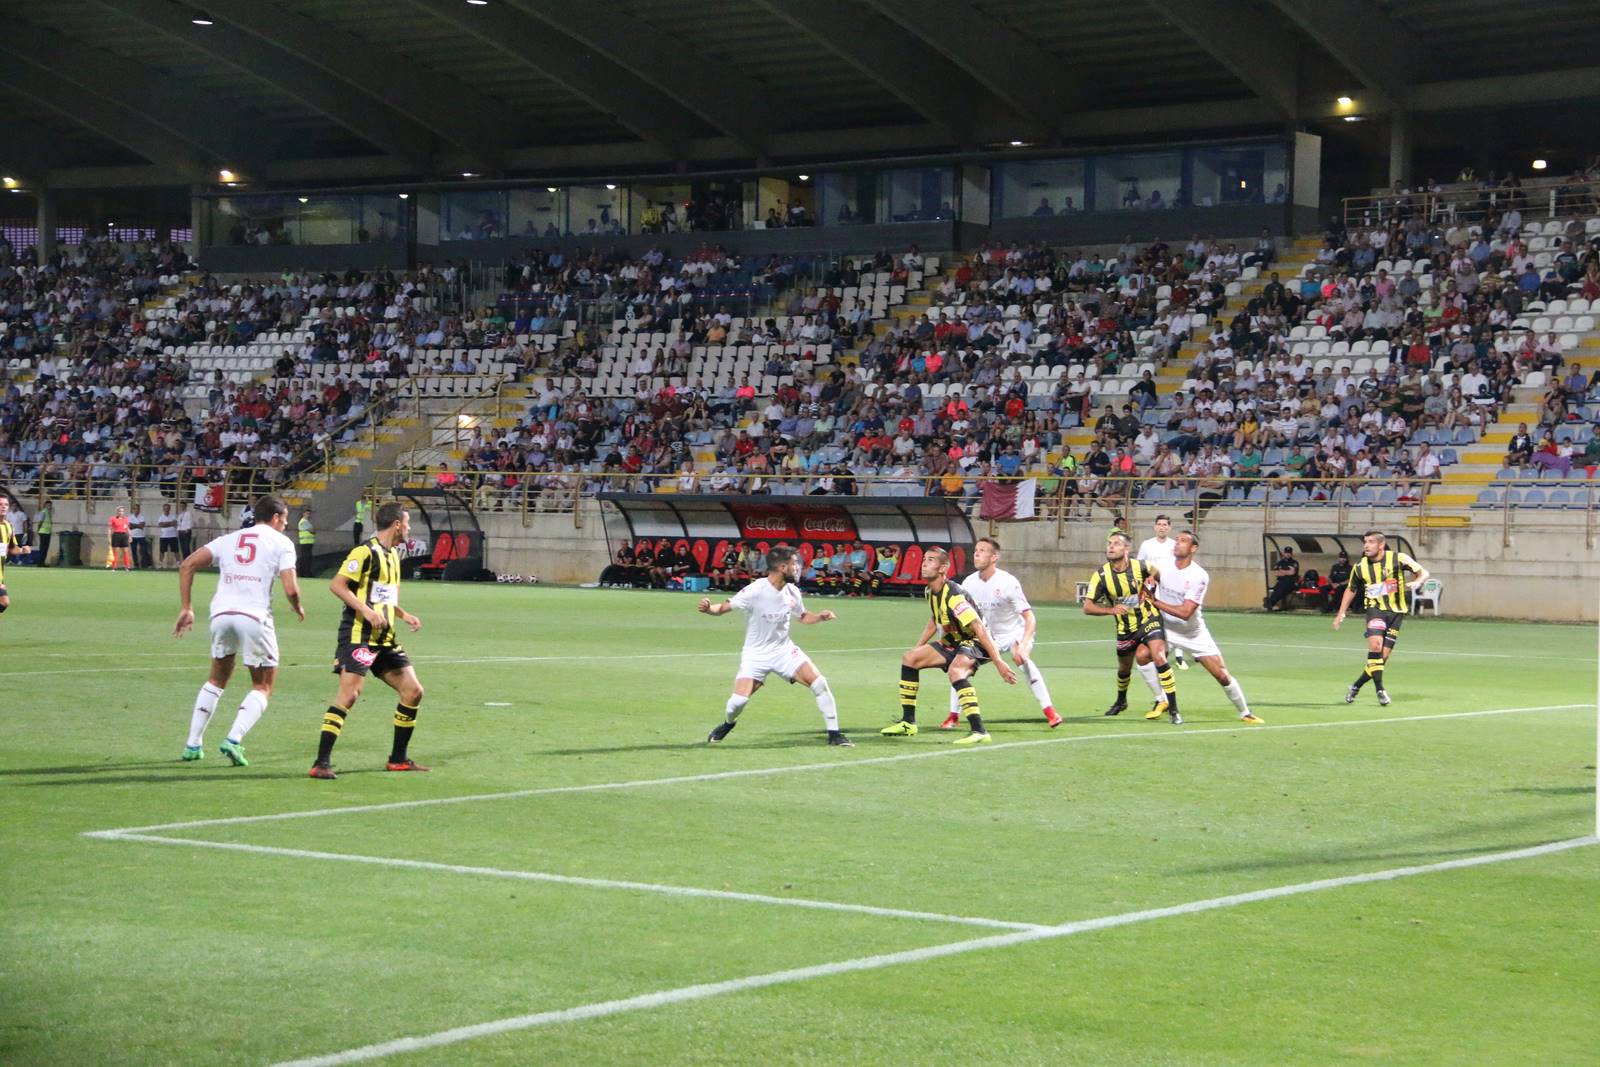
x=706 y=607
x=291 y=591
x=1413 y=566
x=1091 y=601
x=200 y=557
x=1024 y=647
x=986 y=642
x=927 y=632
x=343 y=587
x=1185 y=610
x=406 y=617
x=809 y=617
x=1350 y=590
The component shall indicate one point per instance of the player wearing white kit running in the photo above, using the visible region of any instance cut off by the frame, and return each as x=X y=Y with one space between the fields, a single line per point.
x=1158 y=552
x=241 y=619
x=1180 y=594
x=999 y=598
x=773 y=603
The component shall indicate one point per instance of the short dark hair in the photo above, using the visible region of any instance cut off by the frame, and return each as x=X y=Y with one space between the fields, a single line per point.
x=778 y=558
x=267 y=506
x=992 y=542
x=389 y=513
x=1163 y=518
x=939 y=553
x=1375 y=533
x=1191 y=535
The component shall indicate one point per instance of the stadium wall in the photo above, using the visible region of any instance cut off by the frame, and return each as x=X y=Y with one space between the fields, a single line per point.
x=1546 y=575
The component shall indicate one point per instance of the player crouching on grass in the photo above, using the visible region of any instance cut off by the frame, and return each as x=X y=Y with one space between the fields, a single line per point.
x=368 y=584
x=241 y=619
x=773 y=602
x=964 y=647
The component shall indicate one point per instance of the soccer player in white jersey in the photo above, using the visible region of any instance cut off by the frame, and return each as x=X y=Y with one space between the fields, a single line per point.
x=999 y=598
x=1180 y=594
x=1158 y=552
x=773 y=603
x=241 y=619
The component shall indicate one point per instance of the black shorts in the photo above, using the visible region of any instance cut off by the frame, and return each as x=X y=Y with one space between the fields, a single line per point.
x=1385 y=624
x=1147 y=631
x=971 y=649
x=169 y=544
x=119 y=540
x=359 y=659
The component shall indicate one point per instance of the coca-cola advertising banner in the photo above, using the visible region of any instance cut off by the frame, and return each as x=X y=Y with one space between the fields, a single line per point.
x=704 y=526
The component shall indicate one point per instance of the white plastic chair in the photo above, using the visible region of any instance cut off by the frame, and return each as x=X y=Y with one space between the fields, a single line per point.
x=1430 y=593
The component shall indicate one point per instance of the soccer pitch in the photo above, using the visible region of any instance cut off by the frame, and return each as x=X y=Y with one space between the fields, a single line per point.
x=582 y=880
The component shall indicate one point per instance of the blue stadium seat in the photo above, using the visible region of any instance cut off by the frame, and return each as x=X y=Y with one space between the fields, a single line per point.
x=1489 y=498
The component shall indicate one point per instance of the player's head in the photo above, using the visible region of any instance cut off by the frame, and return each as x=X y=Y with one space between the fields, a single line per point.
x=985 y=552
x=392 y=515
x=1185 y=545
x=935 y=564
x=784 y=563
x=271 y=511
x=1117 y=547
x=1163 y=525
x=1373 y=543
x=5 y=505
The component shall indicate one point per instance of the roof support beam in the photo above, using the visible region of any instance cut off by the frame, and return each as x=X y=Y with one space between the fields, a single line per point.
x=716 y=92
x=380 y=126
x=111 y=121
x=241 y=138
x=636 y=105
x=1365 y=41
x=1035 y=84
x=921 y=78
x=1254 y=50
x=458 y=115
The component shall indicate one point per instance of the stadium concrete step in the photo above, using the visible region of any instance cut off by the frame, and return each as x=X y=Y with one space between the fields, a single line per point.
x=1469 y=473
x=1452 y=500
x=357 y=452
x=1482 y=458
x=1494 y=435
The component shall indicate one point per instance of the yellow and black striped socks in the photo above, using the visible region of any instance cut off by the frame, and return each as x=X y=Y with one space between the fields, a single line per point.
x=1124 y=676
x=910 y=682
x=1375 y=670
x=332 y=723
x=967 y=698
x=405 y=721
x=1169 y=685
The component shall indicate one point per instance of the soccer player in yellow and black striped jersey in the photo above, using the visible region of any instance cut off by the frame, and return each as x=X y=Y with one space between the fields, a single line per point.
x=1124 y=589
x=1381 y=577
x=8 y=548
x=964 y=645
x=368 y=584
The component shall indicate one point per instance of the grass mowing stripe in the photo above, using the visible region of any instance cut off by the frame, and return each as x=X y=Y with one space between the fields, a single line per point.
x=757 y=772
x=589 y=883
x=707 y=990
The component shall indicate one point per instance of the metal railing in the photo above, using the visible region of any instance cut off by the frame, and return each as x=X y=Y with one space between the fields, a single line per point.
x=1546 y=200
x=1351 y=504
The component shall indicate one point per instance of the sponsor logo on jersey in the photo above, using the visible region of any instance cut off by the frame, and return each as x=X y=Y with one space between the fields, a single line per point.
x=364 y=656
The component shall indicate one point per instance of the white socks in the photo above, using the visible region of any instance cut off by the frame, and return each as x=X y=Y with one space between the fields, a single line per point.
x=204 y=705
x=1036 y=683
x=250 y=712
x=735 y=705
x=825 y=704
x=1236 y=695
x=1147 y=671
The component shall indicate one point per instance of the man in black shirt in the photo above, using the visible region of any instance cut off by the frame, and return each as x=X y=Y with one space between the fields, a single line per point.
x=1286 y=576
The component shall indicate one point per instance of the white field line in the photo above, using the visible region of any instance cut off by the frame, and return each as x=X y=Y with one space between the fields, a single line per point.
x=588 y=883
x=1153 y=732
x=707 y=990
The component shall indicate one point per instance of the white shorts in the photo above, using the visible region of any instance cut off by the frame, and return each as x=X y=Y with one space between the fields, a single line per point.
x=1198 y=643
x=1005 y=642
x=254 y=639
x=785 y=662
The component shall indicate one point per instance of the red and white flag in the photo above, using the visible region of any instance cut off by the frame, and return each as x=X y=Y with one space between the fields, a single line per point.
x=1008 y=500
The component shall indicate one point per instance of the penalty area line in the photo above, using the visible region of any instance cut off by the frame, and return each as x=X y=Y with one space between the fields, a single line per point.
x=1154 y=733
x=707 y=990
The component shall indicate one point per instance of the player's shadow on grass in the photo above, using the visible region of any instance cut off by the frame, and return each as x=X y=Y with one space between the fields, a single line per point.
x=82 y=768
x=1553 y=790
x=181 y=774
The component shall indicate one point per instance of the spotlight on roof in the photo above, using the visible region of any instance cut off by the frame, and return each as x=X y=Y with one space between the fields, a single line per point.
x=1017 y=144
x=227 y=175
x=1352 y=118
x=469 y=174
x=1345 y=101
x=201 y=20
x=9 y=182
x=1538 y=164
x=478 y=3
x=551 y=189
x=609 y=185
x=805 y=177
x=305 y=200
x=405 y=196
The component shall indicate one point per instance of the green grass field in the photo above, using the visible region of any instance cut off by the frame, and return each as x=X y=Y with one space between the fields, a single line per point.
x=148 y=951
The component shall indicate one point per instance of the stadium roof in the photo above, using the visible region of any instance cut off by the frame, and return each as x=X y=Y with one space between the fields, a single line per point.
x=163 y=92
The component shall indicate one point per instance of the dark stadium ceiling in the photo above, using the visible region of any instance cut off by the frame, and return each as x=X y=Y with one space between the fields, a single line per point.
x=135 y=92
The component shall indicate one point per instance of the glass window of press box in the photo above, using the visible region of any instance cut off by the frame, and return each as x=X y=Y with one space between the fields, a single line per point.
x=1040 y=188
x=311 y=219
x=1256 y=174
